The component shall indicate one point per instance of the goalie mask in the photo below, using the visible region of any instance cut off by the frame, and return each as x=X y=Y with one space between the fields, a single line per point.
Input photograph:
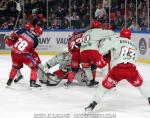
x=66 y=56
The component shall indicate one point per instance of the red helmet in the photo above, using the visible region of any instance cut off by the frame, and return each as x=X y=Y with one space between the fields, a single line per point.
x=38 y=30
x=96 y=24
x=74 y=33
x=126 y=33
x=28 y=26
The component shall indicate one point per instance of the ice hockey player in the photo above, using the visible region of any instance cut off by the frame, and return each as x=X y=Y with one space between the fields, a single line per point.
x=27 y=26
x=35 y=55
x=122 y=65
x=90 y=57
x=19 y=75
x=63 y=60
x=74 y=50
x=23 y=44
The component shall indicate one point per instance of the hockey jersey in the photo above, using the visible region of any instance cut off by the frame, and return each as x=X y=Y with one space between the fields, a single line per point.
x=63 y=59
x=122 y=50
x=25 y=41
x=91 y=38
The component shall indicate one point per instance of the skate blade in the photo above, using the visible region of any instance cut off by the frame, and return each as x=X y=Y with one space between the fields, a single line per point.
x=94 y=86
x=36 y=88
x=87 y=111
x=7 y=86
x=66 y=87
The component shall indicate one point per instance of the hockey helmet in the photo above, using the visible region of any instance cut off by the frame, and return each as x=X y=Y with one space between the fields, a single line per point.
x=73 y=34
x=28 y=26
x=96 y=24
x=38 y=30
x=126 y=33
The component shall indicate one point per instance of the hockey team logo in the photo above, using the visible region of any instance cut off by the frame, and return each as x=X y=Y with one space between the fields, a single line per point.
x=142 y=46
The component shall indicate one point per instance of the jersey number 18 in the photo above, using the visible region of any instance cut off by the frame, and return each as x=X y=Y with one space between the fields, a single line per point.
x=21 y=44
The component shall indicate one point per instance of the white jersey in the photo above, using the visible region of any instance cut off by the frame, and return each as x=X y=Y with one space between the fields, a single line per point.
x=92 y=37
x=63 y=59
x=122 y=50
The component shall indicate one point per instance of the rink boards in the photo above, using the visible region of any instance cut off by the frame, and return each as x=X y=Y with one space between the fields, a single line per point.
x=53 y=42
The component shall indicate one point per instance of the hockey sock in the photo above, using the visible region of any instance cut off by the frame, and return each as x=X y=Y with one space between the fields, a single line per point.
x=94 y=74
x=101 y=91
x=13 y=73
x=144 y=91
x=93 y=69
x=33 y=74
x=71 y=76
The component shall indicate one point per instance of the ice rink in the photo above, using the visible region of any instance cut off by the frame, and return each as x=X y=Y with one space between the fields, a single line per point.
x=21 y=102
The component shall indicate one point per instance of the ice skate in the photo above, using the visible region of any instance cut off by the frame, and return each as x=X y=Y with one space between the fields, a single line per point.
x=67 y=84
x=18 y=79
x=92 y=83
x=149 y=100
x=9 y=82
x=90 y=107
x=34 y=85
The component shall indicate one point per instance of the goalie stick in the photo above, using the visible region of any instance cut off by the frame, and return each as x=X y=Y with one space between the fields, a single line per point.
x=48 y=76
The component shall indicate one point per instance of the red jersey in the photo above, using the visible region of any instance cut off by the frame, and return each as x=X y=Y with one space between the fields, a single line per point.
x=73 y=43
x=25 y=43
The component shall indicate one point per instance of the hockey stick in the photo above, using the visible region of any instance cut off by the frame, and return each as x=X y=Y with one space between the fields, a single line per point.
x=48 y=74
x=18 y=7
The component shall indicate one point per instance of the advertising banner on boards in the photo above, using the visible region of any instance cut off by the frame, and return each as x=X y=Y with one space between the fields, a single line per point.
x=53 y=41
x=2 y=44
x=56 y=41
x=142 y=41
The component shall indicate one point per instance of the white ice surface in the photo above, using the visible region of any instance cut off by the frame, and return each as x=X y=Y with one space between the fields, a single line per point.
x=21 y=102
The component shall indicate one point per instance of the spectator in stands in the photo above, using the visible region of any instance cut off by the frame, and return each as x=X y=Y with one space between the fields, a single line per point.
x=74 y=16
x=56 y=24
x=100 y=12
x=134 y=26
x=80 y=10
x=65 y=24
x=60 y=12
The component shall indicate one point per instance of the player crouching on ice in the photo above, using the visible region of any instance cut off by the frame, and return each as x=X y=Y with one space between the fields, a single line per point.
x=63 y=60
x=24 y=42
x=122 y=66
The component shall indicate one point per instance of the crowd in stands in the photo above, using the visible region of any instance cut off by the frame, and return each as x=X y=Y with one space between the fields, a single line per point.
x=59 y=15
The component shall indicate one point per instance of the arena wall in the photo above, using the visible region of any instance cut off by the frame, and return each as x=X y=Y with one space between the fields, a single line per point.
x=53 y=42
